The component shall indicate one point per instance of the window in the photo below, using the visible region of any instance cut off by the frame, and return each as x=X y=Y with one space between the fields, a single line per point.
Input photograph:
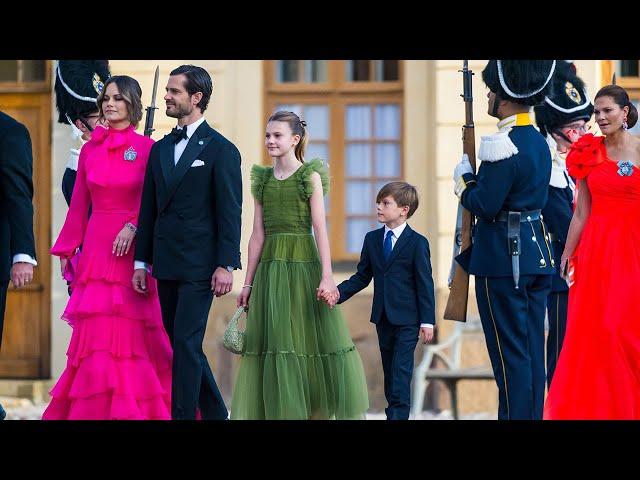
x=627 y=76
x=24 y=75
x=353 y=111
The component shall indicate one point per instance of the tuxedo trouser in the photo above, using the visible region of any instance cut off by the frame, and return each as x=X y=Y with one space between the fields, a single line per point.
x=3 y=302
x=557 y=303
x=513 y=324
x=397 y=347
x=185 y=309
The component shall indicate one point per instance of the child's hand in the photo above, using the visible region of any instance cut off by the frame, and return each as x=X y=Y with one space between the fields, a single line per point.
x=426 y=334
x=330 y=298
x=327 y=285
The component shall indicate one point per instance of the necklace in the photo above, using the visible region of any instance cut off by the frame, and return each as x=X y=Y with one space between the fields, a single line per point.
x=284 y=174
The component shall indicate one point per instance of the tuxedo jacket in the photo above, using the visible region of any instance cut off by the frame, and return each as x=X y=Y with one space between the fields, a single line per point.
x=16 y=193
x=190 y=213
x=402 y=285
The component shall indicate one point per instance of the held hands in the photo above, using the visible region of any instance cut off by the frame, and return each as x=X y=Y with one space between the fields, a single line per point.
x=426 y=334
x=123 y=241
x=328 y=292
x=221 y=282
x=463 y=167
x=139 y=280
x=21 y=274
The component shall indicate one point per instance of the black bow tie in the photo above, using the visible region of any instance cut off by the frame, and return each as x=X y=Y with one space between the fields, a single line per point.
x=179 y=134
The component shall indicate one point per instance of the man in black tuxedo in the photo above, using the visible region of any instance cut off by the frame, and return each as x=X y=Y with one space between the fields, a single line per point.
x=17 y=247
x=189 y=230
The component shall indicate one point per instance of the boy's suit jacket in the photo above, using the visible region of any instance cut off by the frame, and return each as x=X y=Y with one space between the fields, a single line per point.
x=402 y=285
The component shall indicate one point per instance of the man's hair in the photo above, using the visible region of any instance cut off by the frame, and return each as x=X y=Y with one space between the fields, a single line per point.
x=198 y=80
x=404 y=194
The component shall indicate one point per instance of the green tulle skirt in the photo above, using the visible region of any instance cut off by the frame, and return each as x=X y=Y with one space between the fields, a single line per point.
x=300 y=362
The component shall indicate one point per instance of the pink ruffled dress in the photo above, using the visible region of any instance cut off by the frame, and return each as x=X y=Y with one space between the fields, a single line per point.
x=119 y=358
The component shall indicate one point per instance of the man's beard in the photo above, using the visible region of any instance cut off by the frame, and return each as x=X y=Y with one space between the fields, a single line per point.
x=179 y=111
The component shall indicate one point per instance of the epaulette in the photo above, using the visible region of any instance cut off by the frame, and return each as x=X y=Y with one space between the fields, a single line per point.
x=496 y=147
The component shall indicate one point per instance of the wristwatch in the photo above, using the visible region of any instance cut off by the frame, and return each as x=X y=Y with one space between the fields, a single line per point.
x=228 y=269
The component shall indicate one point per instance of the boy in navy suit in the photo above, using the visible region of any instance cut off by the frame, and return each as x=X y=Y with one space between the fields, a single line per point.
x=398 y=260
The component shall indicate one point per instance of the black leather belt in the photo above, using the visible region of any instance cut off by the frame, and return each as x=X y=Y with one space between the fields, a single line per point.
x=513 y=220
x=526 y=216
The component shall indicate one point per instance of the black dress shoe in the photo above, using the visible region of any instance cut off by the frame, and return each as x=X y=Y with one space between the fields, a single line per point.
x=2 y=413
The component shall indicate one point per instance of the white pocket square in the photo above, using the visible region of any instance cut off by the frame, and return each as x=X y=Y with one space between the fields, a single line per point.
x=197 y=163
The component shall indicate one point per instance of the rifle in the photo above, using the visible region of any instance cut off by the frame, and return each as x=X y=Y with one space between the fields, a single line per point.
x=458 y=281
x=148 y=122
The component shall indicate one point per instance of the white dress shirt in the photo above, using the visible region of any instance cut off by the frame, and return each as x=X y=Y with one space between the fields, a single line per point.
x=394 y=238
x=182 y=144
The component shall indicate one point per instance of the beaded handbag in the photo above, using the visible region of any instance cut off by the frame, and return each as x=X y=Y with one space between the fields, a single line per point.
x=233 y=338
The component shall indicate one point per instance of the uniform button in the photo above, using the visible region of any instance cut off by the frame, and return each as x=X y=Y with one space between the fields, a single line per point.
x=541 y=217
x=542 y=262
x=533 y=238
x=529 y=217
x=553 y=264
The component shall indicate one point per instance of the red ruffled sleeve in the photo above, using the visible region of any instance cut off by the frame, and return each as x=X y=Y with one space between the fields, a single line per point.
x=585 y=154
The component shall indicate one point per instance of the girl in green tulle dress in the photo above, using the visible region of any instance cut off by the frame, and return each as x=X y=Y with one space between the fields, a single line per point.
x=299 y=361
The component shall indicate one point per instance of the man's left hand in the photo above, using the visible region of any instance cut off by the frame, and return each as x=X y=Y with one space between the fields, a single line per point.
x=221 y=282
x=21 y=274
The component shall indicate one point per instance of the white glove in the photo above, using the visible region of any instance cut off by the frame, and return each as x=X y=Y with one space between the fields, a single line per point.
x=463 y=167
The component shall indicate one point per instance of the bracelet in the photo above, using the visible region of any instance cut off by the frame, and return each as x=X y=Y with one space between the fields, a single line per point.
x=250 y=286
x=131 y=227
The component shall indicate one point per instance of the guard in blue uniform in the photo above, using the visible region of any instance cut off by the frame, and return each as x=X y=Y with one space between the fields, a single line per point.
x=78 y=84
x=562 y=120
x=511 y=255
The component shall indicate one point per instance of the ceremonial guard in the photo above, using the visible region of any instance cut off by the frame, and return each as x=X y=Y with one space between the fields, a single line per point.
x=511 y=256
x=78 y=84
x=562 y=120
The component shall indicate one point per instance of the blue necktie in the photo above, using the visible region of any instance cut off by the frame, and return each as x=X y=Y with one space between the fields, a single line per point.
x=386 y=248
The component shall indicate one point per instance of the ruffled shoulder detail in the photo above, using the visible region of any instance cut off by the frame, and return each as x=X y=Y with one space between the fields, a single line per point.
x=584 y=155
x=259 y=176
x=306 y=184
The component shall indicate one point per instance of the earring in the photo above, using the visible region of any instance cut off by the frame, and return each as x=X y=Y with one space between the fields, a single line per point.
x=624 y=124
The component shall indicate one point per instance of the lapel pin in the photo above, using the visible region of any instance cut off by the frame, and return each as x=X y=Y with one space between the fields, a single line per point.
x=200 y=142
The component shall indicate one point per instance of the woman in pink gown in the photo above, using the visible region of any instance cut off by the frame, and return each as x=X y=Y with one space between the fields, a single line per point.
x=119 y=358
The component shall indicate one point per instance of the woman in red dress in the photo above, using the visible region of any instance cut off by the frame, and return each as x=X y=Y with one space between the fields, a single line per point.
x=598 y=372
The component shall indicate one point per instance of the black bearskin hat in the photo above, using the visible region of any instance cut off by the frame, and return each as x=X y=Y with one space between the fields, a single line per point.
x=526 y=82
x=78 y=84
x=568 y=103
